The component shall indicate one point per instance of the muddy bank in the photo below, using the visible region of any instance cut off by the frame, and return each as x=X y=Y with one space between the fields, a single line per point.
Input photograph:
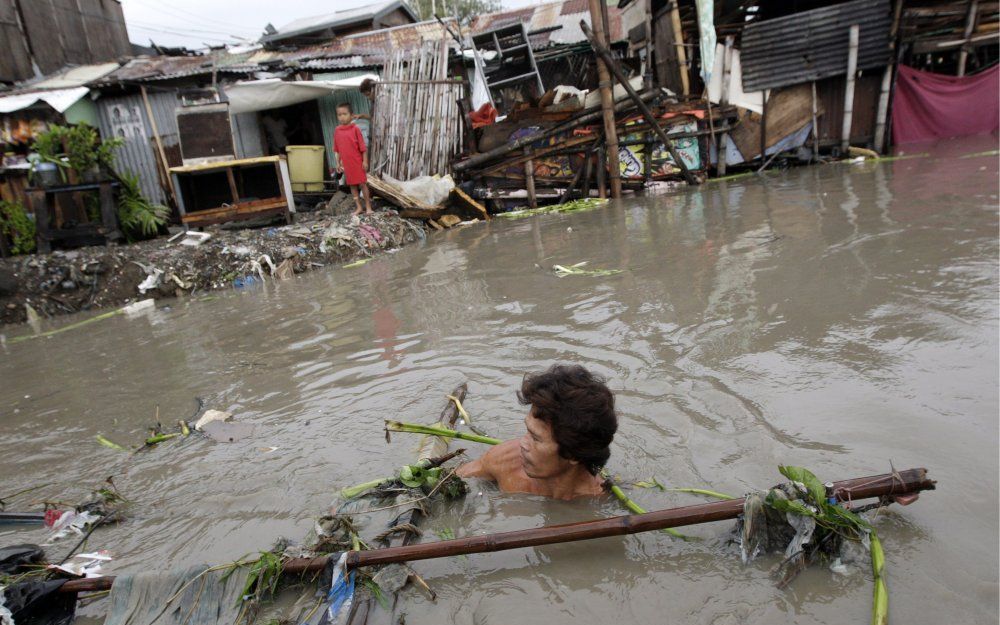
x=92 y=278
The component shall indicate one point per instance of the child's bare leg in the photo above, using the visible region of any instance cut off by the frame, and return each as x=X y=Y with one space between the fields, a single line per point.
x=368 y=197
x=357 y=199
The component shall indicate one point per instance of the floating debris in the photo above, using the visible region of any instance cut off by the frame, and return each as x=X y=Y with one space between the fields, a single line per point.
x=574 y=270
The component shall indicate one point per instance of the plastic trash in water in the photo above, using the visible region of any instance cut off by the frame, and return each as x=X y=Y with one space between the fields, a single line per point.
x=245 y=281
x=341 y=593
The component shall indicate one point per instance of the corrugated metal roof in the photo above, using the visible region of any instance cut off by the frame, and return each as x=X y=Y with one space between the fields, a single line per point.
x=75 y=76
x=372 y=47
x=346 y=17
x=811 y=45
x=565 y=14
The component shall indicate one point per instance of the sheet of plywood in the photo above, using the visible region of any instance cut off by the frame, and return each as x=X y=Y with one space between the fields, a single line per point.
x=788 y=110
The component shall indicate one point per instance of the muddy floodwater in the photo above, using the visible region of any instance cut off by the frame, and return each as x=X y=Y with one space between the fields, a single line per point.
x=840 y=317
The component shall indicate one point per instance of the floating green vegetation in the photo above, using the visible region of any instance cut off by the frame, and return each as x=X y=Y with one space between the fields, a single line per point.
x=575 y=270
x=978 y=154
x=837 y=520
x=586 y=203
x=356 y=263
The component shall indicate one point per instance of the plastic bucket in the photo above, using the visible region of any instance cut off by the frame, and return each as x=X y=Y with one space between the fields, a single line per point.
x=305 y=167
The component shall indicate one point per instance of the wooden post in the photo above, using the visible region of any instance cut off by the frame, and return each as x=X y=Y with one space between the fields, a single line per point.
x=108 y=217
x=882 y=114
x=815 y=125
x=607 y=98
x=675 y=24
x=39 y=201
x=646 y=113
x=159 y=143
x=970 y=25
x=852 y=69
x=529 y=178
x=763 y=128
x=602 y=170
x=723 y=145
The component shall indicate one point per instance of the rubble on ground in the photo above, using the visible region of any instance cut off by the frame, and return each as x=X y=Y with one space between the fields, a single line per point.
x=99 y=277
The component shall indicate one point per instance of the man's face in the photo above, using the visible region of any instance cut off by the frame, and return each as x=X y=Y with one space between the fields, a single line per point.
x=540 y=451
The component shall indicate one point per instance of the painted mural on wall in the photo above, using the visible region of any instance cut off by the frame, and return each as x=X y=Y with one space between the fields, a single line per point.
x=630 y=158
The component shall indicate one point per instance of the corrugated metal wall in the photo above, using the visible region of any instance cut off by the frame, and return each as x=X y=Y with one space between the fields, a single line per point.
x=125 y=116
x=812 y=45
x=247 y=135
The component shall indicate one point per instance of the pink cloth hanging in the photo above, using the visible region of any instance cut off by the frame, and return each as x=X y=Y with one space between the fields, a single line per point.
x=931 y=106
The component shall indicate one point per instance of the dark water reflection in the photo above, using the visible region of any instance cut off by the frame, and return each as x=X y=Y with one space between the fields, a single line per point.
x=838 y=317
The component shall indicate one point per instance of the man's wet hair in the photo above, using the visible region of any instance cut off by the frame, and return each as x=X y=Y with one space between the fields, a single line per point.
x=580 y=409
x=346 y=105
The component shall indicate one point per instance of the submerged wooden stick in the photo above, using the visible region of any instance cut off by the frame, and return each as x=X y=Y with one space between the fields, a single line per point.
x=887 y=485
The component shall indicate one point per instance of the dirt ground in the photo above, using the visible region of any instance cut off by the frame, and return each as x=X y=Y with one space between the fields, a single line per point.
x=110 y=276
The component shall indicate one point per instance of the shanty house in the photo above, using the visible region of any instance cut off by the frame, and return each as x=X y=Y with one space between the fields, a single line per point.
x=319 y=29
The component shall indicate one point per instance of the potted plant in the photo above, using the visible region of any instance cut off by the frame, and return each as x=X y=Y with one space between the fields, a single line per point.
x=78 y=148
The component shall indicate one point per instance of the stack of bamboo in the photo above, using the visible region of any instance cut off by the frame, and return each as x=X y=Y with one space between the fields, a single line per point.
x=416 y=125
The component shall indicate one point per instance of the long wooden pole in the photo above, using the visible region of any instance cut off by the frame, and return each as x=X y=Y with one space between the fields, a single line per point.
x=891 y=485
x=159 y=144
x=852 y=69
x=607 y=98
x=970 y=25
x=680 y=50
x=646 y=113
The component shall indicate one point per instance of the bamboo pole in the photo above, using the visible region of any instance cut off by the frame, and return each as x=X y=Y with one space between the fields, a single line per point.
x=646 y=113
x=852 y=69
x=970 y=25
x=675 y=25
x=607 y=97
x=889 y=485
x=159 y=145
x=529 y=178
x=722 y=147
x=882 y=113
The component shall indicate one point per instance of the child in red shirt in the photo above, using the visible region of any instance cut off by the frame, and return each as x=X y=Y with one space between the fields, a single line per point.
x=351 y=156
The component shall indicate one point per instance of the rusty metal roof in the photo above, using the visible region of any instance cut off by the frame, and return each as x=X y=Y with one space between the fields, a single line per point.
x=565 y=15
x=368 y=49
x=810 y=45
x=339 y=19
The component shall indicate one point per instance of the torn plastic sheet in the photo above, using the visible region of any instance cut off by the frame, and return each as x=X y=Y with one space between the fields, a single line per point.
x=84 y=564
x=36 y=602
x=71 y=522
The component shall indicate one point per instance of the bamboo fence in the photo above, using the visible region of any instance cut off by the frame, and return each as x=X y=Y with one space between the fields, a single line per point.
x=416 y=123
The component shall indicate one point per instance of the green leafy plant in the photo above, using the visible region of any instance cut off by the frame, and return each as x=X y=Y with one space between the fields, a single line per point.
x=137 y=216
x=838 y=520
x=76 y=147
x=17 y=226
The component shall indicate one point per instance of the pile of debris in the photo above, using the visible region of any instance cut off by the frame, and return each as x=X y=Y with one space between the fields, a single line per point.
x=100 y=277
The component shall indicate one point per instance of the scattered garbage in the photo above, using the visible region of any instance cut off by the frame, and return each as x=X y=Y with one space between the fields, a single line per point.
x=70 y=522
x=112 y=276
x=84 y=564
x=209 y=416
x=16 y=556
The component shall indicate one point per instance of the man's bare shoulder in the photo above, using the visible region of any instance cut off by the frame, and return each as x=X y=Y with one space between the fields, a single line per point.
x=496 y=462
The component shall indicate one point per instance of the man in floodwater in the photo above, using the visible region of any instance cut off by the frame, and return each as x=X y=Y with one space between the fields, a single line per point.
x=569 y=430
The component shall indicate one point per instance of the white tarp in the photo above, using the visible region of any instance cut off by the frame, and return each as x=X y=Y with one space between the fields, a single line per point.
x=59 y=99
x=753 y=101
x=270 y=93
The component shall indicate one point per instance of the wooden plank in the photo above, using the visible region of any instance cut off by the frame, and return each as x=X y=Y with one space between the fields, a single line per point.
x=231 y=179
x=463 y=199
x=223 y=164
x=788 y=110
